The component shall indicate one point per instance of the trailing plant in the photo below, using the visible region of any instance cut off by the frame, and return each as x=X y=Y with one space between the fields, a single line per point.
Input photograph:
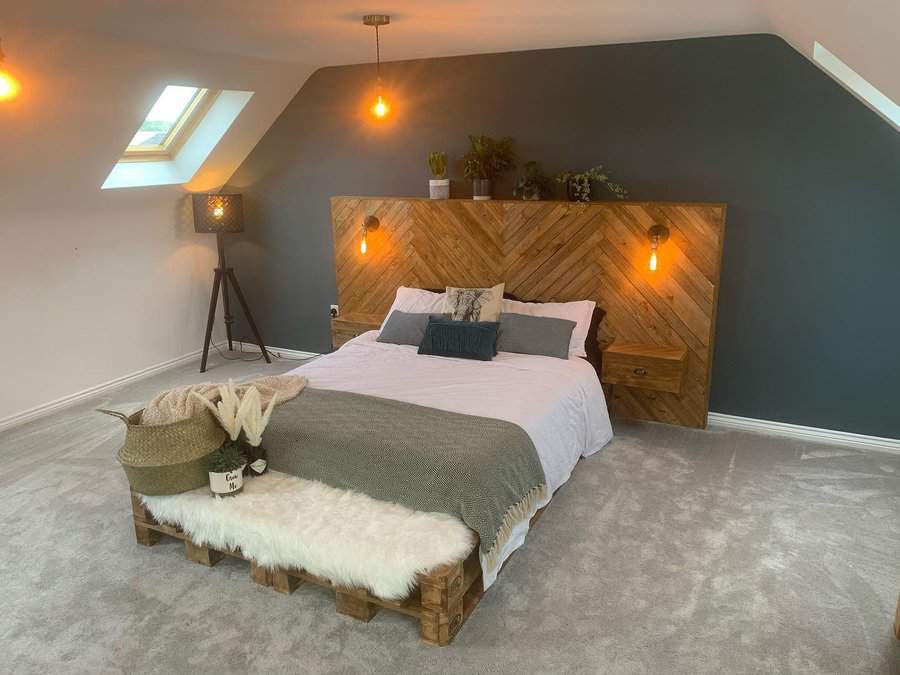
x=488 y=157
x=437 y=164
x=579 y=184
x=533 y=183
x=226 y=459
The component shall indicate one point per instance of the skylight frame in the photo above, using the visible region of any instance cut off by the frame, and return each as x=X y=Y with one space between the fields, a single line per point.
x=178 y=134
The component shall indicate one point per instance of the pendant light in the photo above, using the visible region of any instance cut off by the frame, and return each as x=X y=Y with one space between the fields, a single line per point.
x=380 y=108
x=9 y=86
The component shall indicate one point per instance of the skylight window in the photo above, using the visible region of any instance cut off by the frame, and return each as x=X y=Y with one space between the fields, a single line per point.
x=857 y=84
x=169 y=122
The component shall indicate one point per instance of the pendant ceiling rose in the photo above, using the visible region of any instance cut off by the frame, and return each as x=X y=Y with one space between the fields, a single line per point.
x=376 y=19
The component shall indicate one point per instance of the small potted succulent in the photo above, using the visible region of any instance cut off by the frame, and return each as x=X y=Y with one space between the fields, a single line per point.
x=439 y=185
x=486 y=160
x=226 y=470
x=533 y=183
x=578 y=185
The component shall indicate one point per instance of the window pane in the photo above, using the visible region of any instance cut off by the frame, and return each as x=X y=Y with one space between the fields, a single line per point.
x=164 y=115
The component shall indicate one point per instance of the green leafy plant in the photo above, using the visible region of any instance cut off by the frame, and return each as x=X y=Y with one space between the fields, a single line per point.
x=225 y=459
x=579 y=184
x=533 y=183
x=488 y=157
x=437 y=164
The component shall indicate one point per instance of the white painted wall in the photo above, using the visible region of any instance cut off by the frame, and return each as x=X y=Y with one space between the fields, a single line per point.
x=98 y=284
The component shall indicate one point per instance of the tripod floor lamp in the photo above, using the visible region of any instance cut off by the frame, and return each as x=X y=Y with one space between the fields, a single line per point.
x=218 y=214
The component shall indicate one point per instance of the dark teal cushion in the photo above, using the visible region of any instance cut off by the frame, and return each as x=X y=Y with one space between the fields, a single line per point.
x=460 y=339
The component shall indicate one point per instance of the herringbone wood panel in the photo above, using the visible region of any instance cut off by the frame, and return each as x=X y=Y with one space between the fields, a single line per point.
x=553 y=251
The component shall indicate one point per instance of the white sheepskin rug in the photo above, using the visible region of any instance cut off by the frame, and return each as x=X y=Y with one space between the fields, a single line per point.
x=284 y=521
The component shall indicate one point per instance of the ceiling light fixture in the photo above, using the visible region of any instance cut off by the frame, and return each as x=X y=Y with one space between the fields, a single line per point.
x=9 y=86
x=380 y=108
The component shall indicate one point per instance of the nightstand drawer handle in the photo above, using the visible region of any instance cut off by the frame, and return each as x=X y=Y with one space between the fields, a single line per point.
x=640 y=371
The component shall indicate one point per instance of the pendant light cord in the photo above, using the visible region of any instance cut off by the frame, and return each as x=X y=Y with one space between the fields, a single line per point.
x=377 y=57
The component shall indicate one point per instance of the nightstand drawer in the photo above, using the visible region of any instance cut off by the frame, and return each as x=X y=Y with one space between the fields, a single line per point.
x=645 y=367
x=345 y=328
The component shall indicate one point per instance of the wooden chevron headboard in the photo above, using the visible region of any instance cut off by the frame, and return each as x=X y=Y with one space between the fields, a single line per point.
x=553 y=251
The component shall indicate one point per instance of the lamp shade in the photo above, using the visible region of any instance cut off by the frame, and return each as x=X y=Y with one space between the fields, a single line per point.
x=218 y=213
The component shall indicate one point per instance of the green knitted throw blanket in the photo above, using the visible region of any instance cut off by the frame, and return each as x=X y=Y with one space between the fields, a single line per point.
x=484 y=471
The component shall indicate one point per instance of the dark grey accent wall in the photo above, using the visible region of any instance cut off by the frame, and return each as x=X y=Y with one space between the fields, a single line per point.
x=808 y=319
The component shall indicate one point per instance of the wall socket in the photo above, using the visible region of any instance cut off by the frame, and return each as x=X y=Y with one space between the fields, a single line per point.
x=335 y=311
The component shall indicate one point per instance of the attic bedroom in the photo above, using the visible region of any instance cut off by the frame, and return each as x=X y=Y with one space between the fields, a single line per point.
x=450 y=337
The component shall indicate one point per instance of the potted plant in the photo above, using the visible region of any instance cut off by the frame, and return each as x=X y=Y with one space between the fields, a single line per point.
x=439 y=185
x=235 y=414
x=487 y=159
x=578 y=185
x=533 y=183
x=254 y=422
x=226 y=470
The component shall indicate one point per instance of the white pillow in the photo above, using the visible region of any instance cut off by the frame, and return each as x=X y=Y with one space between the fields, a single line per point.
x=579 y=311
x=417 y=301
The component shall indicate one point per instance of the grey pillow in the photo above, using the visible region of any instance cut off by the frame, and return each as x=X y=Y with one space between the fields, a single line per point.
x=540 y=335
x=405 y=328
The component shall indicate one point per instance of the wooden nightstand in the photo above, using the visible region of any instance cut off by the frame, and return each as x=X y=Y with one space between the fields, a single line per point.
x=644 y=366
x=348 y=326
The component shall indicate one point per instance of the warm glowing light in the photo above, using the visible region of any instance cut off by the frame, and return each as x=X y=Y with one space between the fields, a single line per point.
x=363 y=246
x=653 y=260
x=9 y=86
x=380 y=107
x=218 y=211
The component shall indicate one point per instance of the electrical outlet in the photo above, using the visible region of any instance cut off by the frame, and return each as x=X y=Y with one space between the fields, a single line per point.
x=335 y=311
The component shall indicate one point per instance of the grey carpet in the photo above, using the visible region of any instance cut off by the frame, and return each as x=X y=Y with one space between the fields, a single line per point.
x=674 y=551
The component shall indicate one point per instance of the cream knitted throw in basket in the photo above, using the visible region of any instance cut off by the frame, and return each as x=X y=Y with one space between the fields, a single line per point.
x=178 y=403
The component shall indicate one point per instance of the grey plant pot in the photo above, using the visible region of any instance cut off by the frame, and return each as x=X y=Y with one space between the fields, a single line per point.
x=481 y=189
x=439 y=188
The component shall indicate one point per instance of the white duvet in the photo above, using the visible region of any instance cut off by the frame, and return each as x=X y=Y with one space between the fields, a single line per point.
x=558 y=402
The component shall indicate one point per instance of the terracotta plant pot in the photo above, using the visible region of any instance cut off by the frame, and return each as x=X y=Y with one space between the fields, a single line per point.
x=439 y=188
x=481 y=189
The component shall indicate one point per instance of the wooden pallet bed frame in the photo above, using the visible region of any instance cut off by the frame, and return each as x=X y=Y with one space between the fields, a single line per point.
x=442 y=601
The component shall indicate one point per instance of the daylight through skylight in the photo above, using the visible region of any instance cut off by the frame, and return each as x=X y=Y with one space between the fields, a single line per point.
x=168 y=122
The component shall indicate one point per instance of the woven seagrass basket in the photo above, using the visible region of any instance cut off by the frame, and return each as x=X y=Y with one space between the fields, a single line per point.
x=166 y=459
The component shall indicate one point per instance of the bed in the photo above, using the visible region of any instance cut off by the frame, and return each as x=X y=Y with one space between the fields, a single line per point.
x=557 y=403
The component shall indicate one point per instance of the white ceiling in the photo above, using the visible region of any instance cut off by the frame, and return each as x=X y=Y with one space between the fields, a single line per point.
x=863 y=34
x=331 y=33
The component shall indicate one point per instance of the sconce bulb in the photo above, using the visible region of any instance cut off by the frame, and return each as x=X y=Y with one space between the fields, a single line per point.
x=363 y=246
x=218 y=212
x=380 y=108
x=9 y=86
x=653 y=260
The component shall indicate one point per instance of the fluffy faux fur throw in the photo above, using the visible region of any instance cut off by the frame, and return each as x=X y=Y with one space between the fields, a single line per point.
x=178 y=404
x=347 y=537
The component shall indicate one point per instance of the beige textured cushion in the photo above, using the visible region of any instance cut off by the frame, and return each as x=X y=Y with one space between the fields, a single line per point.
x=474 y=304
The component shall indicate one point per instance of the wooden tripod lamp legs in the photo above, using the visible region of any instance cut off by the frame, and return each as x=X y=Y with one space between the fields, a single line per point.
x=223 y=277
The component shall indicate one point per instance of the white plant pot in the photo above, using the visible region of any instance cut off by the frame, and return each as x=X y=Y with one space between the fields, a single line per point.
x=439 y=188
x=225 y=484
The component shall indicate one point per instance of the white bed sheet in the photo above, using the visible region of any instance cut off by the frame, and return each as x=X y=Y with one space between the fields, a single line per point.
x=558 y=402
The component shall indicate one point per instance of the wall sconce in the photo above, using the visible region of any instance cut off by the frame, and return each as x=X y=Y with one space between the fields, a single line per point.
x=657 y=235
x=370 y=223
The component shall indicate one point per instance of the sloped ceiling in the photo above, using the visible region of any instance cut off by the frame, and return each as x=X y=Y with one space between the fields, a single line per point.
x=310 y=35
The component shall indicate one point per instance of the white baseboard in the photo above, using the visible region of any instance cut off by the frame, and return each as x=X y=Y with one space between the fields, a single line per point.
x=32 y=413
x=806 y=433
x=46 y=408
x=277 y=351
